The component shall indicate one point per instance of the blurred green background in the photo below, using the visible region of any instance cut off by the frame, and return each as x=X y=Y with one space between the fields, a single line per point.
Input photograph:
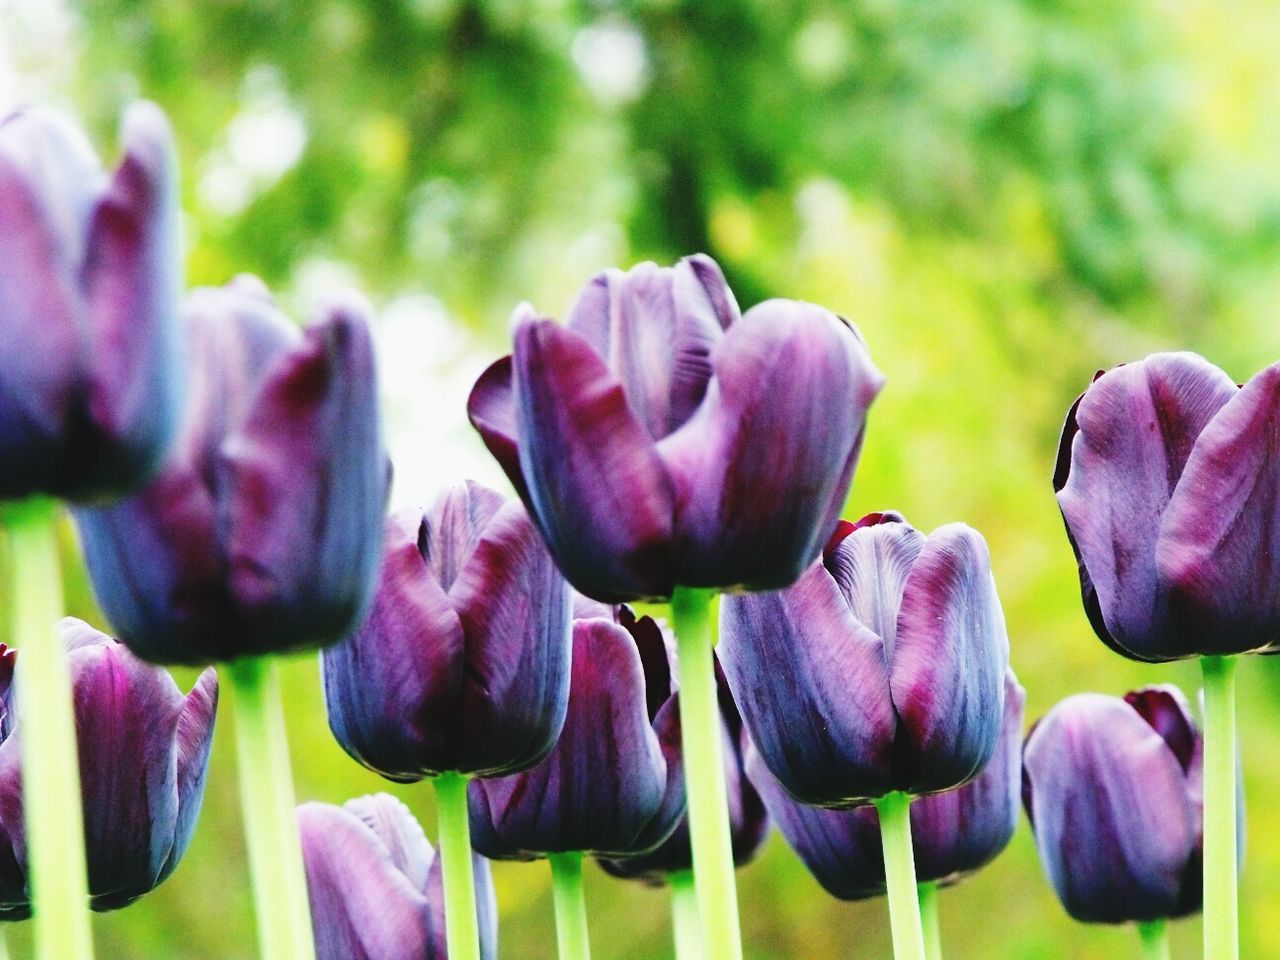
x=1003 y=196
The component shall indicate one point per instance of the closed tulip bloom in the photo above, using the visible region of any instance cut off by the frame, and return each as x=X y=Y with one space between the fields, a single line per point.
x=463 y=663
x=953 y=834
x=748 y=822
x=614 y=783
x=663 y=438
x=881 y=669
x=90 y=280
x=144 y=754
x=263 y=531
x=376 y=886
x=1114 y=792
x=1165 y=478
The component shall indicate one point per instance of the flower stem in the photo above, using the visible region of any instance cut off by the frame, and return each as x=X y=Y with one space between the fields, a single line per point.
x=684 y=916
x=47 y=734
x=571 y=907
x=1155 y=940
x=900 y=876
x=271 y=827
x=928 y=897
x=1221 y=912
x=462 y=930
x=704 y=776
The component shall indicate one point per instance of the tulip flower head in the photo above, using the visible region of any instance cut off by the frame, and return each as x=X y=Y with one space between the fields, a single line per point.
x=881 y=669
x=953 y=833
x=1166 y=473
x=463 y=663
x=263 y=531
x=90 y=281
x=664 y=438
x=614 y=783
x=1114 y=792
x=144 y=754
x=376 y=885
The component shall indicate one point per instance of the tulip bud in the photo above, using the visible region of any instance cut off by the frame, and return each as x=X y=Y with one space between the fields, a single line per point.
x=1114 y=792
x=263 y=531
x=463 y=662
x=376 y=885
x=881 y=669
x=953 y=833
x=662 y=438
x=90 y=279
x=144 y=754
x=614 y=783
x=1165 y=477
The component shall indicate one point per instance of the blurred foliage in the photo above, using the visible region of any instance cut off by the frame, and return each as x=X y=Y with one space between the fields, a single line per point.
x=1003 y=196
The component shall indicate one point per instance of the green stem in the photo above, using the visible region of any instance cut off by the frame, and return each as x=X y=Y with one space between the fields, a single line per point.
x=928 y=897
x=47 y=735
x=684 y=916
x=571 y=906
x=1155 y=940
x=4 y=946
x=462 y=930
x=1221 y=912
x=704 y=776
x=271 y=826
x=900 y=876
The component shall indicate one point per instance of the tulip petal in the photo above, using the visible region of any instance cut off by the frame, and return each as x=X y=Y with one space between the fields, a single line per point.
x=871 y=564
x=400 y=832
x=392 y=688
x=671 y=812
x=1135 y=430
x=492 y=411
x=194 y=741
x=948 y=661
x=452 y=528
x=305 y=485
x=1219 y=541
x=15 y=897
x=1112 y=819
x=486 y=909
x=599 y=491
x=812 y=684
x=1167 y=711
x=762 y=469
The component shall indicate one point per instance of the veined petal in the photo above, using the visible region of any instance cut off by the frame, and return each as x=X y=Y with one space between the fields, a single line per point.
x=392 y=823
x=871 y=564
x=453 y=526
x=193 y=743
x=1218 y=550
x=600 y=494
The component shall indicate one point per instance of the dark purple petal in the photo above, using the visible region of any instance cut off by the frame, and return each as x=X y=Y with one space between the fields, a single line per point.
x=15 y=897
x=871 y=563
x=193 y=742
x=1167 y=711
x=948 y=661
x=1135 y=430
x=492 y=411
x=392 y=688
x=305 y=486
x=813 y=687
x=600 y=494
x=763 y=467
x=452 y=528
x=1113 y=819
x=605 y=781
x=1219 y=545
x=515 y=612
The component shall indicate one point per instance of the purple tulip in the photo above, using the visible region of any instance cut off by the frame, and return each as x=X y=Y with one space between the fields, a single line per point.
x=614 y=783
x=90 y=279
x=463 y=663
x=263 y=531
x=1165 y=477
x=1114 y=792
x=748 y=821
x=953 y=834
x=881 y=669
x=144 y=754
x=664 y=439
x=376 y=885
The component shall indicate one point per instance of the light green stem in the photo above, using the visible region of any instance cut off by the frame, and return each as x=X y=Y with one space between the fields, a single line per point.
x=271 y=826
x=704 y=776
x=462 y=930
x=1155 y=940
x=928 y=897
x=571 y=906
x=1221 y=917
x=4 y=946
x=900 y=876
x=47 y=734
x=684 y=916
